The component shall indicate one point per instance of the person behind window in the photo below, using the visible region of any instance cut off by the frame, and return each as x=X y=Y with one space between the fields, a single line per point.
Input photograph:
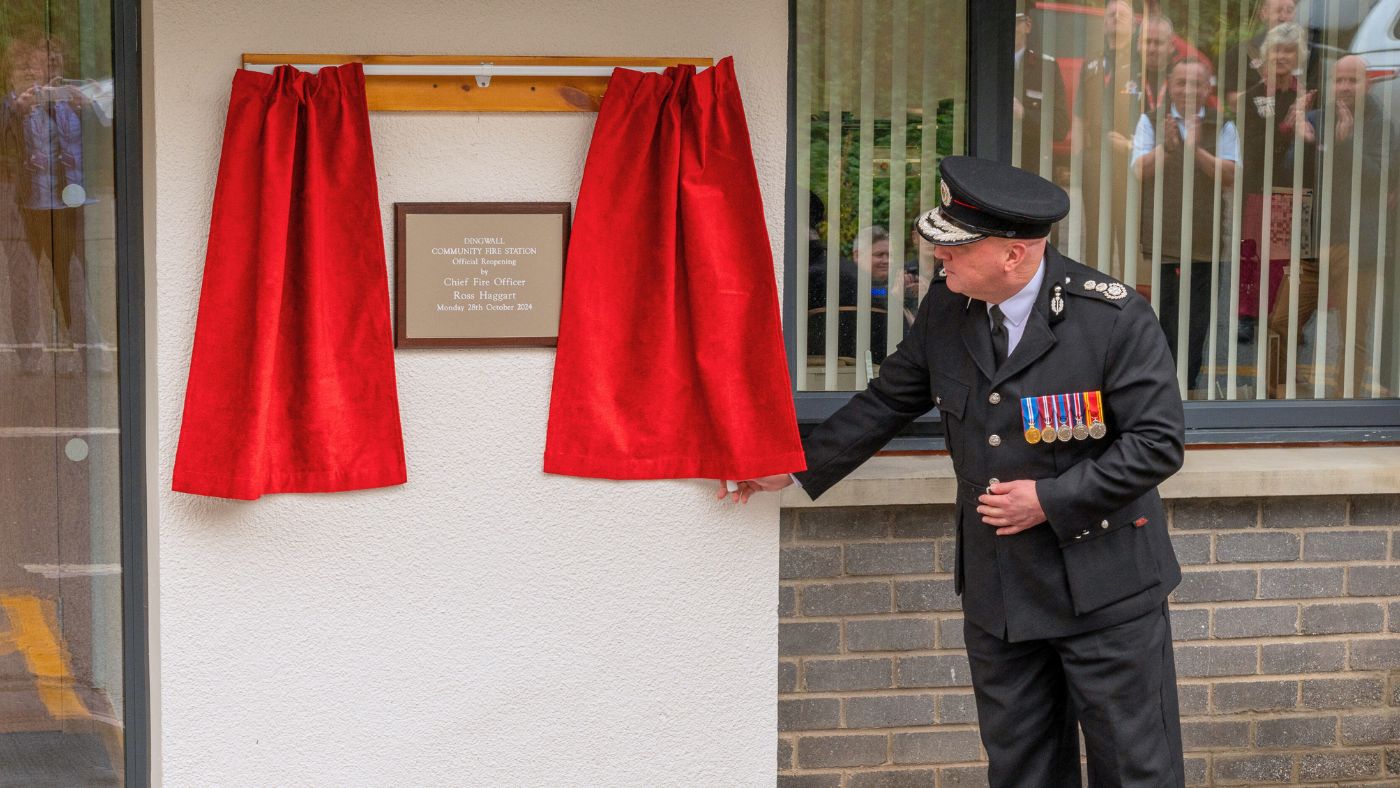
x=1195 y=139
x=1158 y=46
x=1269 y=114
x=870 y=255
x=1243 y=65
x=1353 y=124
x=1028 y=106
x=41 y=135
x=1106 y=109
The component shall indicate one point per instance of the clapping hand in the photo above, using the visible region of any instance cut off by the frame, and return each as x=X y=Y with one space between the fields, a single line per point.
x=1193 y=132
x=1345 y=121
x=1171 y=137
x=1298 y=114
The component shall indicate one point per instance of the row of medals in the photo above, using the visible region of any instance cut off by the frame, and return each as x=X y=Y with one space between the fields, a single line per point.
x=1064 y=432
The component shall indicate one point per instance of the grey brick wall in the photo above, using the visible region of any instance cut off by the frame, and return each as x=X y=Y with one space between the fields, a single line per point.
x=1286 y=628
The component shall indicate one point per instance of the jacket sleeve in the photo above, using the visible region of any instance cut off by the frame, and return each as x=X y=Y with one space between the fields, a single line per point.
x=1143 y=412
x=866 y=423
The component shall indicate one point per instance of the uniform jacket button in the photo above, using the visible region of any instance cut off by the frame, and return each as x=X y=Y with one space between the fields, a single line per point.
x=1103 y=524
x=995 y=399
x=938 y=400
x=994 y=440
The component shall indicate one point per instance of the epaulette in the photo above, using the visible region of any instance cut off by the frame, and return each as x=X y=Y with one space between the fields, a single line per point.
x=1101 y=288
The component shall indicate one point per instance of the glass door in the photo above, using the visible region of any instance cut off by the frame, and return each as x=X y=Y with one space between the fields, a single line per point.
x=61 y=636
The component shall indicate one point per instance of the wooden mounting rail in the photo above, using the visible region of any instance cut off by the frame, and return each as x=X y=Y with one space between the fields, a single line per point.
x=479 y=83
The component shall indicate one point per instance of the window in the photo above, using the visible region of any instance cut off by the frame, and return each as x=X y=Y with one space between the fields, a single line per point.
x=1270 y=255
x=880 y=98
x=71 y=458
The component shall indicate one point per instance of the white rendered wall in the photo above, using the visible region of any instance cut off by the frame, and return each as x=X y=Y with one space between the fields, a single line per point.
x=484 y=624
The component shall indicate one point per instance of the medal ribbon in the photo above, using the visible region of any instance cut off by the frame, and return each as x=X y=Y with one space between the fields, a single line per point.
x=1028 y=419
x=1045 y=412
x=1062 y=403
x=1095 y=406
x=1078 y=408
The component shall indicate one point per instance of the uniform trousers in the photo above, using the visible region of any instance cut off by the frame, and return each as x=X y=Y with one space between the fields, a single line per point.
x=1118 y=683
x=1198 y=319
x=1363 y=373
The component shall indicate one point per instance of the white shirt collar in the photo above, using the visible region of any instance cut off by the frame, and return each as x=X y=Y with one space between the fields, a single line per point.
x=1018 y=307
x=1200 y=112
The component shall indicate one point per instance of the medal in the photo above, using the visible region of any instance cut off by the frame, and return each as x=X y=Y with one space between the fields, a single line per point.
x=1062 y=429
x=1097 y=429
x=1047 y=431
x=1081 y=432
x=1029 y=421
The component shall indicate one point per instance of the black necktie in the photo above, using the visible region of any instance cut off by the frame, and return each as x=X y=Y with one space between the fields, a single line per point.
x=1000 y=339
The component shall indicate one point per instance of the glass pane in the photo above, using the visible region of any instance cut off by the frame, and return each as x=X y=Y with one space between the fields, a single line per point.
x=881 y=97
x=60 y=592
x=1236 y=161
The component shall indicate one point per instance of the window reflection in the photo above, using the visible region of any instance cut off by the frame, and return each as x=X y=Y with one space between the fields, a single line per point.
x=881 y=98
x=60 y=595
x=1238 y=166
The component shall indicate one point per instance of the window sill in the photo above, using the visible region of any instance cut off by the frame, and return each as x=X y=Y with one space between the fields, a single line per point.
x=1208 y=473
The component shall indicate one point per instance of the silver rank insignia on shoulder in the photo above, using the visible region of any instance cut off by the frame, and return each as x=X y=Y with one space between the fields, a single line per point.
x=1057 y=302
x=1115 y=291
x=1090 y=284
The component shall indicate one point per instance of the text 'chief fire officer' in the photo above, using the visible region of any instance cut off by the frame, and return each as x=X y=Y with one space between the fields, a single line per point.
x=1059 y=401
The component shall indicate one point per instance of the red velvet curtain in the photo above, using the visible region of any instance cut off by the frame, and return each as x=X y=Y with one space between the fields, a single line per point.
x=670 y=361
x=291 y=384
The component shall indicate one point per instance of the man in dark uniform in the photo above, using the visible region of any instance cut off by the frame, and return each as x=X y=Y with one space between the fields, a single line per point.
x=1062 y=415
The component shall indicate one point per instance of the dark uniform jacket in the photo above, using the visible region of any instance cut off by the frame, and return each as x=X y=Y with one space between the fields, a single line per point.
x=1103 y=556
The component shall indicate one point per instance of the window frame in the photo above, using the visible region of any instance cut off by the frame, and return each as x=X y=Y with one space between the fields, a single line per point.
x=131 y=389
x=991 y=83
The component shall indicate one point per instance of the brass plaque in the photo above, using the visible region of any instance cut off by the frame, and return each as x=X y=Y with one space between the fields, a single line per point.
x=479 y=274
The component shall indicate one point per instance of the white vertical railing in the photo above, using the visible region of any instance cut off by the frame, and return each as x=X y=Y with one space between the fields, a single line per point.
x=834 y=67
x=1216 y=239
x=1295 y=262
x=1242 y=119
x=1159 y=128
x=1018 y=92
x=934 y=17
x=1324 y=254
x=899 y=104
x=1049 y=82
x=866 y=185
x=1266 y=223
x=1382 y=228
x=1358 y=144
x=802 y=202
